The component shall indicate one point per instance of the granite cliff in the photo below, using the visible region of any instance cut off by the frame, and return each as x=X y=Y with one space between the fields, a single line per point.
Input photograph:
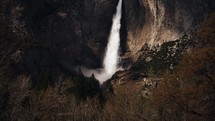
x=76 y=32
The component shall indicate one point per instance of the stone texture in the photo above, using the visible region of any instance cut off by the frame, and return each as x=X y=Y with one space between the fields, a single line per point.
x=158 y=21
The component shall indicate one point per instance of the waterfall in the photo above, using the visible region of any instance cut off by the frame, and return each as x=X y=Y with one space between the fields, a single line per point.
x=111 y=58
x=112 y=55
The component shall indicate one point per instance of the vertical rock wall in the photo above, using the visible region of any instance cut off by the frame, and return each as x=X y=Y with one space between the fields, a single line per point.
x=158 y=21
x=76 y=31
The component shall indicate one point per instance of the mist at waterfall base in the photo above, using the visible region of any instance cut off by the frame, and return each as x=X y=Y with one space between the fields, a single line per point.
x=111 y=58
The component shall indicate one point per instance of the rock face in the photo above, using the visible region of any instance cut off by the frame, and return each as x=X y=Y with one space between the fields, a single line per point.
x=158 y=21
x=76 y=32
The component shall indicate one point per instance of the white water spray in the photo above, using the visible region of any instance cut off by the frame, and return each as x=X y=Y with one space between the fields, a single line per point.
x=112 y=55
x=111 y=58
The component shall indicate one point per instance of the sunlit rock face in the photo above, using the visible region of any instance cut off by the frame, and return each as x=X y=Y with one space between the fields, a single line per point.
x=158 y=21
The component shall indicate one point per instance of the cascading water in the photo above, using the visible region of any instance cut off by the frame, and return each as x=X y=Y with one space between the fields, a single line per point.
x=111 y=58
x=112 y=55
